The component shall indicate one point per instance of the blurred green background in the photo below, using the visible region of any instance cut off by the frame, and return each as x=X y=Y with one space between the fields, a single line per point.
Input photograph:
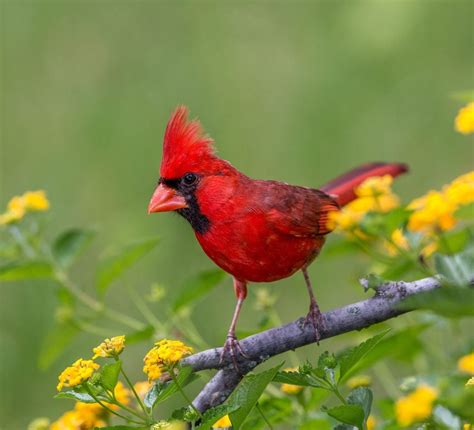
x=296 y=91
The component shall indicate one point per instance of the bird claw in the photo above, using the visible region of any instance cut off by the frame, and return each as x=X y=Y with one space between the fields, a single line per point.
x=315 y=317
x=232 y=347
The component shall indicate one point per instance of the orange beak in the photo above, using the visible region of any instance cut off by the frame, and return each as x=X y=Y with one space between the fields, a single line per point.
x=165 y=199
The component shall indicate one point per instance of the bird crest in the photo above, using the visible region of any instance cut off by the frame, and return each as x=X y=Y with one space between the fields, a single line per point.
x=186 y=147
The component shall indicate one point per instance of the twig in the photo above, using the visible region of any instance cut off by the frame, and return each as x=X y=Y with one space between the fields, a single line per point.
x=260 y=347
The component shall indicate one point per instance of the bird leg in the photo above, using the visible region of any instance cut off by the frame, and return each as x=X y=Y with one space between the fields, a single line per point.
x=232 y=345
x=314 y=315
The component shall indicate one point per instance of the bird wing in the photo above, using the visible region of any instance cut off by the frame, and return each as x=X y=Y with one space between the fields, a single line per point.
x=296 y=211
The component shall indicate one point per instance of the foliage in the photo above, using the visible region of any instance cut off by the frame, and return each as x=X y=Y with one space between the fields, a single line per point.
x=431 y=236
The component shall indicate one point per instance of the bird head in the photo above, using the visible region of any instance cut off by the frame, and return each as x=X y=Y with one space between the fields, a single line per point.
x=188 y=161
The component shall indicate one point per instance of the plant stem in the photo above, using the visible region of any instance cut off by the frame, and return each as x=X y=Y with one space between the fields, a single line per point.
x=109 y=409
x=335 y=390
x=145 y=310
x=90 y=302
x=180 y=389
x=21 y=240
x=139 y=400
x=259 y=409
x=128 y=409
x=90 y=328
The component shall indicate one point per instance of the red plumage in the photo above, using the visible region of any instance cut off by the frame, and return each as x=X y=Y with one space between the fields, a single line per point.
x=256 y=230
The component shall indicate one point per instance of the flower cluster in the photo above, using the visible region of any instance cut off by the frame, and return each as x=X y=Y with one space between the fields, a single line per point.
x=464 y=122
x=359 y=381
x=110 y=347
x=416 y=406
x=79 y=372
x=18 y=206
x=222 y=423
x=164 y=355
x=373 y=195
x=466 y=363
x=291 y=388
x=84 y=416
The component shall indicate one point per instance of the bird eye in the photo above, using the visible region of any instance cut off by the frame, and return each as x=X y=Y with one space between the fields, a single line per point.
x=189 y=178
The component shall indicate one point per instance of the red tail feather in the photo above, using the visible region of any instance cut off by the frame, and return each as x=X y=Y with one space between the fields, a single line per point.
x=343 y=186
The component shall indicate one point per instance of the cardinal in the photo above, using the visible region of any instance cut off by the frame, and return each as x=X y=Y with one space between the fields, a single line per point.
x=255 y=230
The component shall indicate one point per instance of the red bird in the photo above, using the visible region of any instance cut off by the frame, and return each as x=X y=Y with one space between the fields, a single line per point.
x=256 y=230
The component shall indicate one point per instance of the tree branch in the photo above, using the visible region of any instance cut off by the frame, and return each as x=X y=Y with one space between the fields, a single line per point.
x=260 y=347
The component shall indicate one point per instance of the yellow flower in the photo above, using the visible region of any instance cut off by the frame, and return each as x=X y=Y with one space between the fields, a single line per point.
x=153 y=365
x=374 y=195
x=371 y=422
x=429 y=249
x=166 y=353
x=467 y=426
x=464 y=121
x=416 y=406
x=470 y=382
x=11 y=216
x=171 y=351
x=85 y=416
x=375 y=186
x=36 y=200
x=359 y=381
x=80 y=371
x=466 y=363
x=18 y=206
x=399 y=242
x=461 y=190
x=432 y=212
x=170 y=425
x=222 y=423
x=39 y=424
x=110 y=347
x=141 y=388
x=291 y=388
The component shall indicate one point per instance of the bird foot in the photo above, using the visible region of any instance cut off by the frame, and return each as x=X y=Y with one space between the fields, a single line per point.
x=315 y=317
x=233 y=348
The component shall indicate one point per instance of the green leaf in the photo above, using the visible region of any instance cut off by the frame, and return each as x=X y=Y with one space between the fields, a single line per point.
x=70 y=244
x=214 y=414
x=293 y=378
x=348 y=414
x=111 y=268
x=109 y=374
x=122 y=428
x=363 y=397
x=276 y=411
x=55 y=343
x=75 y=395
x=197 y=287
x=350 y=358
x=453 y=242
x=451 y=302
x=402 y=345
x=376 y=224
x=162 y=390
x=246 y=395
x=26 y=270
x=457 y=269
x=374 y=281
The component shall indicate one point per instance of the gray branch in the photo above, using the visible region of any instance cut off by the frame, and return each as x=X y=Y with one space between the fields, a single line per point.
x=260 y=347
